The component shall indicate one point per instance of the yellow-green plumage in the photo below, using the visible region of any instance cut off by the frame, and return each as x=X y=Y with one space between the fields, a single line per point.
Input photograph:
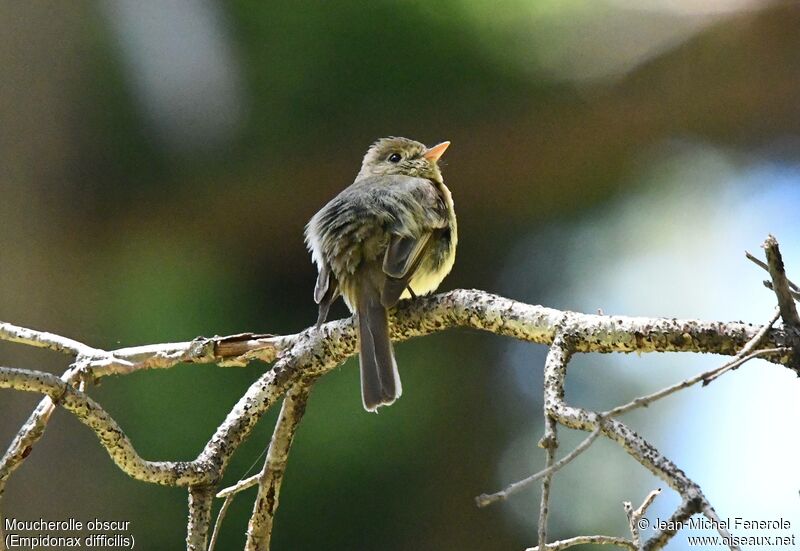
x=392 y=230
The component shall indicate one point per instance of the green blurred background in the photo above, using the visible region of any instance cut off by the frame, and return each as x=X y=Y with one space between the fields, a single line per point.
x=158 y=161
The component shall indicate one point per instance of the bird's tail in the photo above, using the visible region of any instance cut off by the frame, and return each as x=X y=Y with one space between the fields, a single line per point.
x=380 y=380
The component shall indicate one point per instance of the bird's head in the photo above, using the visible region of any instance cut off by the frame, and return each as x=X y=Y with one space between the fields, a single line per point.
x=403 y=156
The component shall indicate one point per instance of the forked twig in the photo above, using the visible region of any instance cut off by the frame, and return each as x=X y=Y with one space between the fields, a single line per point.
x=487 y=499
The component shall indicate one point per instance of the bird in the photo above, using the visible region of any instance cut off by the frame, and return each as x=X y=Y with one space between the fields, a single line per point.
x=390 y=235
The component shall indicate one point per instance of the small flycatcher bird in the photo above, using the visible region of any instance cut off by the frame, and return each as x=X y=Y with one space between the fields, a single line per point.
x=390 y=235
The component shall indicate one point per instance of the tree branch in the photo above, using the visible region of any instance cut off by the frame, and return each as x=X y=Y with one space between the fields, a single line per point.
x=635 y=515
x=42 y=339
x=259 y=529
x=30 y=433
x=636 y=446
x=301 y=358
x=487 y=499
x=586 y=540
x=200 y=500
x=780 y=283
x=690 y=505
x=107 y=430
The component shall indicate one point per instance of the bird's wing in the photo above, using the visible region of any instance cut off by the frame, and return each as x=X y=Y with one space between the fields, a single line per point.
x=323 y=281
x=417 y=205
x=393 y=287
x=418 y=210
x=326 y=292
x=403 y=253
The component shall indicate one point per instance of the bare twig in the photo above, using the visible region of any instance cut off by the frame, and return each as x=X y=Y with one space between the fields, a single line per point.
x=690 y=505
x=706 y=377
x=42 y=339
x=218 y=524
x=636 y=446
x=730 y=366
x=780 y=284
x=794 y=287
x=648 y=501
x=30 y=433
x=550 y=444
x=712 y=515
x=200 y=499
x=795 y=294
x=109 y=433
x=302 y=357
x=487 y=499
x=635 y=515
x=745 y=354
x=230 y=350
x=586 y=540
x=259 y=529
x=794 y=290
x=554 y=365
x=239 y=486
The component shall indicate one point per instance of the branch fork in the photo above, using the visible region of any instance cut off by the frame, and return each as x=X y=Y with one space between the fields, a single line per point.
x=300 y=359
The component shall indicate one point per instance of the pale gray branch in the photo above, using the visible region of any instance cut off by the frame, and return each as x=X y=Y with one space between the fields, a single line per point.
x=200 y=500
x=223 y=510
x=555 y=363
x=744 y=355
x=550 y=444
x=240 y=486
x=690 y=504
x=586 y=540
x=259 y=528
x=636 y=446
x=30 y=433
x=712 y=515
x=302 y=357
x=107 y=430
x=42 y=339
x=794 y=290
x=780 y=283
x=635 y=515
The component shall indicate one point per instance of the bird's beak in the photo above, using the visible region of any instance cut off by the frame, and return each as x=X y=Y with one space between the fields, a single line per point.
x=436 y=151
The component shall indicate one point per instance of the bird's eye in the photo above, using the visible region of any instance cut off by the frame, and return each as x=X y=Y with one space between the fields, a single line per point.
x=395 y=158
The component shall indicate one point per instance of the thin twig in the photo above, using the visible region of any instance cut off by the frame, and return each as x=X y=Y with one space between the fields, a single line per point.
x=690 y=505
x=239 y=486
x=730 y=366
x=746 y=351
x=550 y=444
x=648 y=501
x=744 y=355
x=555 y=366
x=780 y=284
x=259 y=528
x=586 y=540
x=218 y=524
x=635 y=515
x=764 y=265
x=712 y=515
x=229 y=350
x=707 y=377
x=111 y=436
x=487 y=499
x=43 y=339
x=795 y=294
x=30 y=433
